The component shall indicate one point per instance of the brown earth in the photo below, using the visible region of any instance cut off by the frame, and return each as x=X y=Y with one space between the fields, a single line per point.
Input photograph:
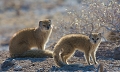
x=104 y=56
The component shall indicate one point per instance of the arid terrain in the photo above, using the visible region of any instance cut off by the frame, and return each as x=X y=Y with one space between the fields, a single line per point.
x=104 y=55
x=68 y=17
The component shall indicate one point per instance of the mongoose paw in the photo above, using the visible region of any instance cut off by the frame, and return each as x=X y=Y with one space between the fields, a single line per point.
x=96 y=63
x=89 y=64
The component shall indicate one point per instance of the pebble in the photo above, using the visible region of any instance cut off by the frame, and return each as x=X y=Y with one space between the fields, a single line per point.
x=7 y=63
x=41 y=70
x=18 y=68
x=117 y=53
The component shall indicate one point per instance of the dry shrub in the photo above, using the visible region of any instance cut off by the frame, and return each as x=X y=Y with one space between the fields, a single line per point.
x=90 y=16
x=93 y=16
x=104 y=15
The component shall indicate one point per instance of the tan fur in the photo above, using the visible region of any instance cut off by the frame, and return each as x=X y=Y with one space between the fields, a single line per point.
x=25 y=39
x=37 y=53
x=69 y=43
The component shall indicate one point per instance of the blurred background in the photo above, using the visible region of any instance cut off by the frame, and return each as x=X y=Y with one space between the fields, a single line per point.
x=68 y=16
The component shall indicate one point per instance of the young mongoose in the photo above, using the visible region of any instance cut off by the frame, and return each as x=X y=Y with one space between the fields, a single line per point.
x=67 y=45
x=22 y=41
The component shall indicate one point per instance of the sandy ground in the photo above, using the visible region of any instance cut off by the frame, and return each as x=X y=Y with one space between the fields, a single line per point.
x=104 y=55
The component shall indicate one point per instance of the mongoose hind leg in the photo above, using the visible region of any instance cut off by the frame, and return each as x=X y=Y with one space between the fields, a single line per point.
x=64 y=58
x=23 y=48
x=66 y=54
x=20 y=50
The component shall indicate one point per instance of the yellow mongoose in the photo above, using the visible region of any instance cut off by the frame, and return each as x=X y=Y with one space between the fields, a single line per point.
x=22 y=41
x=69 y=43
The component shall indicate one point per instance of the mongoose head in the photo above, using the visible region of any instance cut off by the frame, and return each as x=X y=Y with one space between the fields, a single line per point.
x=95 y=38
x=45 y=25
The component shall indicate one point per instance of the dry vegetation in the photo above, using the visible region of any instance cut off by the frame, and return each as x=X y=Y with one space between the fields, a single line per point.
x=68 y=17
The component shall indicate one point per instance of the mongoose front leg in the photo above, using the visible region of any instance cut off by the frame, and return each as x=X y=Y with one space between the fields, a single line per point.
x=94 y=57
x=87 y=56
x=64 y=58
x=66 y=54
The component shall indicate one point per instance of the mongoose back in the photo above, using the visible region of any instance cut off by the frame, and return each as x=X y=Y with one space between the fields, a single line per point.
x=67 y=45
x=25 y=39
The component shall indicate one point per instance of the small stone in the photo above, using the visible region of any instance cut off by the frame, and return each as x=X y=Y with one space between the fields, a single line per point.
x=33 y=64
x=41 y=70
x=53 y=68
x=17 y=68
x=7 y=63
x=117 y=53
x=13 y=60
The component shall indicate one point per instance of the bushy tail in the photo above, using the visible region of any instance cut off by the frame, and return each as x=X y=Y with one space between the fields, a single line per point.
x=57 y=57
x=38 y=54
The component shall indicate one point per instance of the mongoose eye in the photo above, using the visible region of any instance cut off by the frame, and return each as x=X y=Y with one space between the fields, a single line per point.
x=49 y=25
x=97 y=38
x=92 y=38
x=44 y=25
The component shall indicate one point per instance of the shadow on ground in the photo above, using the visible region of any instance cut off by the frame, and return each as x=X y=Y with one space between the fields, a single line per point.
x=74 y=68
x=10 y=62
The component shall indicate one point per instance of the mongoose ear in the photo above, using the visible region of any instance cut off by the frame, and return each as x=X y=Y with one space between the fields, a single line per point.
x=90 y=35
x=40 y=22
x=50 y=21
x=100 y=34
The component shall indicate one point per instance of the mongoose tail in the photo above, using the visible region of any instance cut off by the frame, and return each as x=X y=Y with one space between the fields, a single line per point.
x=56 y=56
x=36 y=54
